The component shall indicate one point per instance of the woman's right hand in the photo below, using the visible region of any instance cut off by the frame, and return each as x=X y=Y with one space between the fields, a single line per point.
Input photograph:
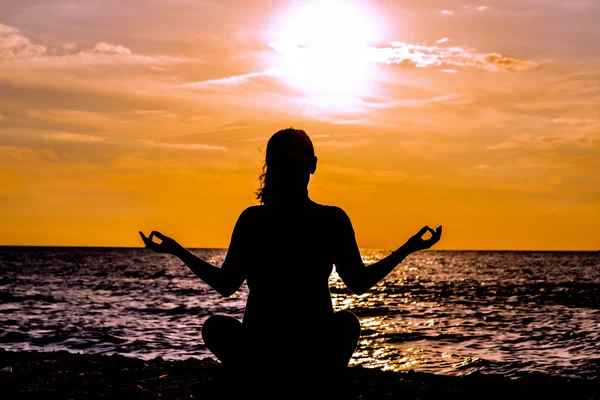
x=416 y=242
x=167 y=245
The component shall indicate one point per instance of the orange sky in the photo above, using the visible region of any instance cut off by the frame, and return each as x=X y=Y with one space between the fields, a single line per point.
x=120 y=116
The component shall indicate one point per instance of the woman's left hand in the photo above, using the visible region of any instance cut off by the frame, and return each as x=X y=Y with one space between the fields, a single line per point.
x=167 y=245
x=416 y=242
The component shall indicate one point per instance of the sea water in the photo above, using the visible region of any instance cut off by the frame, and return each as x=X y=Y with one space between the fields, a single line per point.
x=445 y=312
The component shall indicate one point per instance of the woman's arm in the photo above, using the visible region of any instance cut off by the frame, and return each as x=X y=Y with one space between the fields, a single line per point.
x=358 y=277
x=225 y=280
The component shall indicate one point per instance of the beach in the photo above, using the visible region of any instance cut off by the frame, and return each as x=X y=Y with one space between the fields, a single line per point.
x=68 y=375
x=124 y=323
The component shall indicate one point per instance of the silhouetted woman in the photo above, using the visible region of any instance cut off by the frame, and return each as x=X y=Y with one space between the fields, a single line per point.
x=285 y=250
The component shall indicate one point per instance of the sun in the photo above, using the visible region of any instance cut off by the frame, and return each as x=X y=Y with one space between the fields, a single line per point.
x=325 y=48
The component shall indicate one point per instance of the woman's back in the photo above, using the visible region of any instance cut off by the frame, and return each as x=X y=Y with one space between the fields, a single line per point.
x=288 y=253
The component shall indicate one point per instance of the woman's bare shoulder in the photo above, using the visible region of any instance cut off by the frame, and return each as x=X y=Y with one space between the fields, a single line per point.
x=335 y=214
x=251 y=212
x=248 y=218
x=339 y=219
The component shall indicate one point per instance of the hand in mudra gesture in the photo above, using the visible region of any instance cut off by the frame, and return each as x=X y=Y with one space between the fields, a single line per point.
x=167 y=245
x=416 y=242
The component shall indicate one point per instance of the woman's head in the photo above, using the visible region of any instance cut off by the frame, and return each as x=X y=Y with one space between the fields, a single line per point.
x=289 y=162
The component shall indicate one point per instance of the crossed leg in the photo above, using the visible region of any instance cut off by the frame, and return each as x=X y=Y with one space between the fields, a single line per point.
x=247 y=359
x=224 y=337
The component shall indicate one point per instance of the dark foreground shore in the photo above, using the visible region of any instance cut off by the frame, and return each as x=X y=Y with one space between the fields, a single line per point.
x=64 y=375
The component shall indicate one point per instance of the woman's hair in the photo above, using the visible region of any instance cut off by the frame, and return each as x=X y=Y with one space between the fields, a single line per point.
x=289 y=161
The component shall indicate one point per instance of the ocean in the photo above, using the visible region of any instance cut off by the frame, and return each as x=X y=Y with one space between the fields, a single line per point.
x=445 y=312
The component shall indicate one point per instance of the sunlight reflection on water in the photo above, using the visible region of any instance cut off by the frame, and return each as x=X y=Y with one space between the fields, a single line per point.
x=443 y=312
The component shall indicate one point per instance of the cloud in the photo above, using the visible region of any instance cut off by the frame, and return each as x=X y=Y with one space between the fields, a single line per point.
x=17 y=48
x=374 y=175
x=26 y=154
x=69 y=46
x=503 y=146
x=345 y=145
x=107 y=48
x=114 y=54
x=74 y=137
x=478 y=8
x=67 y=116
x=228 y=81
x=154 y=113
x=325 y=117
x=408 y=103
x=419 y=55
x=545 y=143
x=184 y=146
x=576 y=121
x=496 y=61
x=340 y=170
x=447 y=12
x=423 y=56
x=354 y=105
x=14 y=45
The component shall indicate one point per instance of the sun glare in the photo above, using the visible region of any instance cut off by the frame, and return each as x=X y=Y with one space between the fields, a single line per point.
x=324 y=48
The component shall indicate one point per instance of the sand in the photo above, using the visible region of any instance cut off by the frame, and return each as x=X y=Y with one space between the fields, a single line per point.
x=65 y=375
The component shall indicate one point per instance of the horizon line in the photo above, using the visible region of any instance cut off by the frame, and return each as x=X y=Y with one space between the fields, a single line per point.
x=2 y=246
